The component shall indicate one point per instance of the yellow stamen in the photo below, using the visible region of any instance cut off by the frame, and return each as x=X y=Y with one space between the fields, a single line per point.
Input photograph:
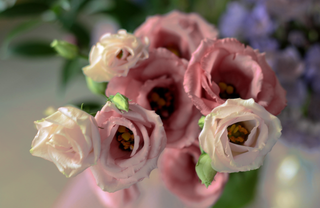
x=222 y=86
x=232 y=127
x=126 y=136
x=174 y=50
x=131 y=147
x=161 y=102
x=155 y=97
x=229 y=89
x=121 y=129
x=236 y=129
x=237 y=133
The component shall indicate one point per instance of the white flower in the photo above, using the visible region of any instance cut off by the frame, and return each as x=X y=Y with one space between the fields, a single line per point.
x=238 y=134
x=69 y=138
x=114 y=55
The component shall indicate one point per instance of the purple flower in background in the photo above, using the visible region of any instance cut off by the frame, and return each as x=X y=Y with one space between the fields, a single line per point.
x=313 y=67
x=264 y=44
x=288 y=65
x=232 y=21
x=258 y=23
x=299 y=131
x=289 y=68
x=296 y=92
x=285 y=10
x=313 y=108
x=297 y=38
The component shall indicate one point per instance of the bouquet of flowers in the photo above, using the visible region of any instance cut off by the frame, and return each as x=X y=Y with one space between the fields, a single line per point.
x=288 y=31
x=178 y=98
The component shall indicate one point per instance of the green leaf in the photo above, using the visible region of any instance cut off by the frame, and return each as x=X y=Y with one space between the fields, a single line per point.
x=239 y=191
x=79 y=31
x=82 y=34
x=24 y=9
x=71 y=69
x=211 y=9
x=69 y=21
x=69 y=16
x=17 y=31
x=32 y=48
x=128 y=14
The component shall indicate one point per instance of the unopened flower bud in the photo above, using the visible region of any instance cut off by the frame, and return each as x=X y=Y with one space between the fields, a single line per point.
x=204 y=170
x=120 y=101
x=65 y=49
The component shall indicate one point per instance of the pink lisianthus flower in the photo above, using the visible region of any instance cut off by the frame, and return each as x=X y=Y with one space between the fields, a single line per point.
x=156 y=84
x=238 y=135
x=131 y=144
x=69 y=138
x=114 y=55
x=179 y=32
x=224 y=69
x=177 y=167
x=125 y=198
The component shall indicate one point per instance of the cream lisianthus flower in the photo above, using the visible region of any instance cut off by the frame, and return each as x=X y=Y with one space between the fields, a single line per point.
x=114 y=55
x=238 y=135
x=69 y=138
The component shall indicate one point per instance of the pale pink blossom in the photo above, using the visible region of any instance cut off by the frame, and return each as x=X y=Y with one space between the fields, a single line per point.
x=118 y=168
x=177 y=167
x=162 y=71
x=114 y=55
x=69 y=138
x=262 y=132
x=177 y=31
x=240 y=67
x=125 y=198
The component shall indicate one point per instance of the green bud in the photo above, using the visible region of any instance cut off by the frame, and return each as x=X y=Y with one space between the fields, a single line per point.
x=204 y=170
x=65 y=49
x=201 y=122
x=120 y=101
x=98 y=88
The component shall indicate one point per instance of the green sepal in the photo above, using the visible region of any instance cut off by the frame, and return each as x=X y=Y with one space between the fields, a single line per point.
x=201 y=122
x=120 y=101
x=39 y=121
x=204 y=170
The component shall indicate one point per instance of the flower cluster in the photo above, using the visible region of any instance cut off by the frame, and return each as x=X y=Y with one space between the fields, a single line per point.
x=288 y=31
x=169 y=76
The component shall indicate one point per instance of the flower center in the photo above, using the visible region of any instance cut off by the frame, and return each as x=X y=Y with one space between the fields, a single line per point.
x=237 y=134
x=174 y=49
x=120 y=54
x=227 y=91
x=125 y=138
x=161 y=101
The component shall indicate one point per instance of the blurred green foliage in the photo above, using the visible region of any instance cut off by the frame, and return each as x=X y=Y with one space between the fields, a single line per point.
x=239 y=191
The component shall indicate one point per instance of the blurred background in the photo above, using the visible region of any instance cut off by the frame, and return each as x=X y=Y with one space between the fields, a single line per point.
x=34 y=81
